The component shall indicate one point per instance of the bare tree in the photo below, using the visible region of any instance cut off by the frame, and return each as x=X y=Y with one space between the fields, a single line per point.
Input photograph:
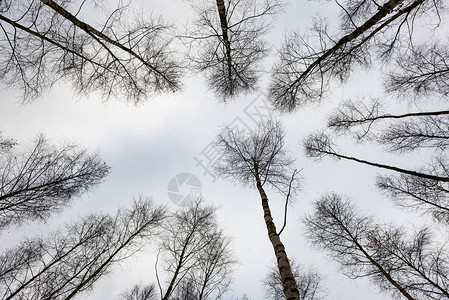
x=71 y=260
x=258 y=158
x=308 y=63
x=196 y=254
x=422 y=71
x=415 y=261
x=319 y=144
x=425 y=190
x=399 y=132
x=373 y=33
x=212 y=274
x=185 y=290
x=43 y=43
x=423 y=132
x=309 y=283
x=418 y=194
x=140 y=292
x=226 y=43
x=44 y=179
x=6 y=144
x=411 y=267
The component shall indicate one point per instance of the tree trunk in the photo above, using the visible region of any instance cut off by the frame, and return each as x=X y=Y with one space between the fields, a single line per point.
x=384 y=10
x=224 y=30
x=415 y=114
x=288 y=281
x=179 y=266
x=392 y=168
x=384 y=272
x=175 y=276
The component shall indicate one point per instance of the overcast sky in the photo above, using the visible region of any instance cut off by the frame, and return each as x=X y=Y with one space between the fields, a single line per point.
x=148 y=145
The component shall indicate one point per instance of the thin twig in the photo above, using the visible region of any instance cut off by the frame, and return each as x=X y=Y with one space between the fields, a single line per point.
x=286 y=201
x=157 y=276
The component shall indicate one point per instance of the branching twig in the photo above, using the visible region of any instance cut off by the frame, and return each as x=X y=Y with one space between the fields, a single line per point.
x=286 y=201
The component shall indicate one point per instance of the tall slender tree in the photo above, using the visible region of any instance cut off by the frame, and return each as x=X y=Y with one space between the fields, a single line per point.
x=425 y=190
x=401 y=132
x=259 y=158
x=36 y=182
x=422 y=71
x=45 y=42
x=196 y=254
x=71 y=260
x=417 y=194
x=226 y=43
x=412 y=267
x=319 y=144
x=368 y=29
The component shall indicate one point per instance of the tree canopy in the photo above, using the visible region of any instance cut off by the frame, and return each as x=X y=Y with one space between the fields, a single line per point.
x=363 y=82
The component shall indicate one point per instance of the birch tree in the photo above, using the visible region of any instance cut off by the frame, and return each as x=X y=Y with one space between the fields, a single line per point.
x=319 y=145
x=424 y=190
x=402 y=132
x=259 y=158
x=413 y=267
x=196 y=255
x=44 y=179
x=417 y=194
x=422 y=71
x=309 y=283
x=368 y=32
x=43 y=43
x=70 y=261
x=140 y=292
x=226 y=43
